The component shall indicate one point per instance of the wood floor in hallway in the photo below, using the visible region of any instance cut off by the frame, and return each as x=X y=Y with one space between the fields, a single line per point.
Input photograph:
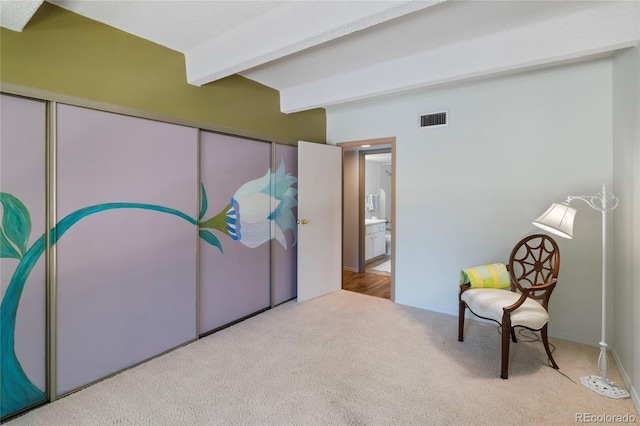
x=372 y=283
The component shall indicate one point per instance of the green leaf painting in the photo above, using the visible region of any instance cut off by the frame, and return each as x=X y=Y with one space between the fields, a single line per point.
x=203 y=201
x=255 y=209
x=6 y=248
x=210 y=238
x=16 y=226
x=16 y=389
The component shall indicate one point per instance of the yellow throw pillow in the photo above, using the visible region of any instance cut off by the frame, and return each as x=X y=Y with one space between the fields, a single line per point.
x=493 y=275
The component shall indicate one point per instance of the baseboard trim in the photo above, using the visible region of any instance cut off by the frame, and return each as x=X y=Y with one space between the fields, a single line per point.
x=427 y=307
x=627 y=380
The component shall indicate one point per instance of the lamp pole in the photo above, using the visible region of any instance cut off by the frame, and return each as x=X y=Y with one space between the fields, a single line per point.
x=603 y=362
x=603 y=201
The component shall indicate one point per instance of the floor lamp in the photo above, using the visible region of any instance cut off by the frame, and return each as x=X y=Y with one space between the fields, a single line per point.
x=558 y=219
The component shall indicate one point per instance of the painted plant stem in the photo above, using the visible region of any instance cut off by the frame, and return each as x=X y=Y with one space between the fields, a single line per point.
x=17 y=391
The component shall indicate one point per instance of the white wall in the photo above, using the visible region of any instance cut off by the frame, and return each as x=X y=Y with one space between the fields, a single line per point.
x=372 y=186
x=468 y=192
x=385 y=186
x=626 y=229
x=350 y=210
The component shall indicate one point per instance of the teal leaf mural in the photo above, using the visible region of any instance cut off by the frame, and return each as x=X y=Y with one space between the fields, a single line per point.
x=16 y=389
x=203 y=201
x=6 y=249
x=239 y=220
x=211 y=239
x=16 y=226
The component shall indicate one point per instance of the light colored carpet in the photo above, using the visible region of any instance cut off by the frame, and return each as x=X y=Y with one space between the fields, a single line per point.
x=343 y=359
x=384 y=267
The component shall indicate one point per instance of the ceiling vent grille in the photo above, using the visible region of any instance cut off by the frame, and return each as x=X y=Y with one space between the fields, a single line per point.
x=435 y=119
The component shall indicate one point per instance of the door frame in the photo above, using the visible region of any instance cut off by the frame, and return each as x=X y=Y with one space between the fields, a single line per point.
x=374 y=145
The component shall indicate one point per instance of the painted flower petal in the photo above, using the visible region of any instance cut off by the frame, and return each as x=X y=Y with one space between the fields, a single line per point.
x=279 y=236
x=260 y=210
x=255 y=234
x=253 y=186
x=255 y=207
x=232 y=221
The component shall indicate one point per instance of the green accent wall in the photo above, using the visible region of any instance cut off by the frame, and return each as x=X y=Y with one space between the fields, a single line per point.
x=65 y=53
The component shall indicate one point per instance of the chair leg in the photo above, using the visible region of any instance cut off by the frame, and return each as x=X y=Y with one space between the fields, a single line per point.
x=545 y=341
x=461 y=321
x=506 y=331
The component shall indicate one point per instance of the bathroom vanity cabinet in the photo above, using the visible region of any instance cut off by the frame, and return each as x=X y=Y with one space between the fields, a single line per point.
x=374 y=240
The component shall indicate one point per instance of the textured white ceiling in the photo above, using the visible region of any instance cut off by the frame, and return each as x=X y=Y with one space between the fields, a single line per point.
x=178 y=25
x=331 y=52
x=15 y=14
x=433 y=28
x=447 y=43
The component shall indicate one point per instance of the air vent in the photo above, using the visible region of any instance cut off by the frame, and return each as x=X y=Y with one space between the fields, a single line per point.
x=433 y=119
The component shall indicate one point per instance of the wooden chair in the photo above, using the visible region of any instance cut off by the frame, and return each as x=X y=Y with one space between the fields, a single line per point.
x=533 y=270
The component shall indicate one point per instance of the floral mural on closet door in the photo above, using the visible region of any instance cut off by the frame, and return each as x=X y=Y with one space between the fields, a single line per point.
x=248 y=218
x=244 y=219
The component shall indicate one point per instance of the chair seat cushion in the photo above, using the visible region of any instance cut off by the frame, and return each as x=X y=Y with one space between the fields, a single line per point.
x=489 y=302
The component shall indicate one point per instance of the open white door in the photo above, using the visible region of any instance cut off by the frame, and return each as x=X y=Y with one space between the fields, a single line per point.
x=319 y=220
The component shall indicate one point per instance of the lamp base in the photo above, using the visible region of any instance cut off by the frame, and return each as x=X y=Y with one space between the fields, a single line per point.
x=609 y=388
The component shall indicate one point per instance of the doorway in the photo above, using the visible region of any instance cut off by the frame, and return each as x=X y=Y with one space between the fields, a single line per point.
x=369 y=217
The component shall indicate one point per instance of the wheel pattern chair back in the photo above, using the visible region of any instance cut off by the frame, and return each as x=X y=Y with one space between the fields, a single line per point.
x=533 y=271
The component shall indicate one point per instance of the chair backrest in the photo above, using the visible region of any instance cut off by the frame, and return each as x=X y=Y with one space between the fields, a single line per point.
x=534 y=261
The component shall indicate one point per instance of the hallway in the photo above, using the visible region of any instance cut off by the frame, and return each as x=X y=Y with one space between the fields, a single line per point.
x=372 y=283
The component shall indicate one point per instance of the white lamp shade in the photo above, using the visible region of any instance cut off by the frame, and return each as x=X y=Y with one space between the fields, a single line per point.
x=558 y=219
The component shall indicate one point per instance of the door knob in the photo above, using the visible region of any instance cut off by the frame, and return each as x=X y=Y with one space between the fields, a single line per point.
x=302 y=221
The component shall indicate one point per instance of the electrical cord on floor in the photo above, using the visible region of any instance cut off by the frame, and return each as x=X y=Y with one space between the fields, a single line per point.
x=534 y=337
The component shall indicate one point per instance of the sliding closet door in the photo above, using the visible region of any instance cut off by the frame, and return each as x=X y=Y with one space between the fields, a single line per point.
x=284 y=251
x=22 y=260
x=126 y=242
x=235 y=229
